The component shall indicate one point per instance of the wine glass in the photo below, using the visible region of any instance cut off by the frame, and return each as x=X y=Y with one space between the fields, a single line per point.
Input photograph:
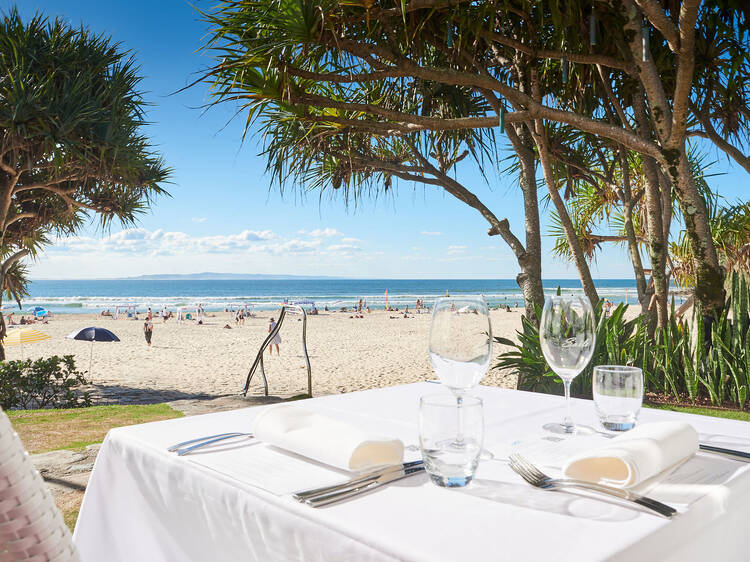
x=460 y=342
x=460 y=346
x=567 y=335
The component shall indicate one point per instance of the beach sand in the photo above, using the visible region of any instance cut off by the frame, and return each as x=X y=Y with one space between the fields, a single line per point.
x=200 y=361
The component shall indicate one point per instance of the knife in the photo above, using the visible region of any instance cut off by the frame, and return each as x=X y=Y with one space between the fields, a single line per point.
x=363 y=478
x=738 y=455
x=382 y=480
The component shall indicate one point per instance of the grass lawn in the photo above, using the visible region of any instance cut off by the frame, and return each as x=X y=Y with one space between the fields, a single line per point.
x=701 y=411
x=48 y=430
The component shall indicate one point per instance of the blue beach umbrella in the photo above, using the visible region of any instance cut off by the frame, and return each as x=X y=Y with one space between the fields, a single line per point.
x=93 y=334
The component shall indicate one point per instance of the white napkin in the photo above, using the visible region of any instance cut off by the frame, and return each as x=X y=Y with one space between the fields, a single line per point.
x=324 y=439
x=635 y=456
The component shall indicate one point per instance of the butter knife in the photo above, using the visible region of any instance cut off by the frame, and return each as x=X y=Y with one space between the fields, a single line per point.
x=737 y=455
x=382 y=480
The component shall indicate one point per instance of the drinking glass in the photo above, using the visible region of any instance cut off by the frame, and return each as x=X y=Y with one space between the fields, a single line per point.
x=567 y=335
x=440 y=429
x=618 y=396
x=460 y=342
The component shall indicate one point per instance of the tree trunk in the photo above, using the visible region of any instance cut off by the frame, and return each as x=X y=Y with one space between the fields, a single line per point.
x=657 y=245
x=709 y=274
x=635 y=253
x=3 y=332
x=530 y=278
x=570 y=233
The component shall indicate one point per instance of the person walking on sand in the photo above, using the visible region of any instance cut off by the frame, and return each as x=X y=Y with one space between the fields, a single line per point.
x=148 y=331
x=149 y=314
x=276 y=340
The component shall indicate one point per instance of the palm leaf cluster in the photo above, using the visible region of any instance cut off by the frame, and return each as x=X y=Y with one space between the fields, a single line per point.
x=73 y=145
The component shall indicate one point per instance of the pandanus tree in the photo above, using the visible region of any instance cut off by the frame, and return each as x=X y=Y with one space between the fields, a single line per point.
x=333 y=151
x=650 y=96
x=72 y=144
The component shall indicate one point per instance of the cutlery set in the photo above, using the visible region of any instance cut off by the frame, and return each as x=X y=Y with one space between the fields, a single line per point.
x=364 y=483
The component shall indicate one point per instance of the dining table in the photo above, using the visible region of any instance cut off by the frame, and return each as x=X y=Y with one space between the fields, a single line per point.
x=233 y=501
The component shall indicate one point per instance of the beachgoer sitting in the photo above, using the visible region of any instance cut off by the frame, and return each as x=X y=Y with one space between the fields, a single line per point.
x=23 y=320
x=227 y=327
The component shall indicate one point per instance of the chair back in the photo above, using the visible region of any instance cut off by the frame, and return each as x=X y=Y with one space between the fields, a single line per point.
x=31 y=526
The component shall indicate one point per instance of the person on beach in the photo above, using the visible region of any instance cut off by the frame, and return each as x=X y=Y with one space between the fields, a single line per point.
x=276 y=340
x=149 y=315
x=148 y=331
x=164 y=315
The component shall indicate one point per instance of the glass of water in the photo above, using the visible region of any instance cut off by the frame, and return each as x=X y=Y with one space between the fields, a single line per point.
x=567 y=335
x=450 y=445
x=618 y=396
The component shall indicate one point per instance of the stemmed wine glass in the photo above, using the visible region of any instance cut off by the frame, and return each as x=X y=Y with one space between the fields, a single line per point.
x=567 y=335
x=460 y=345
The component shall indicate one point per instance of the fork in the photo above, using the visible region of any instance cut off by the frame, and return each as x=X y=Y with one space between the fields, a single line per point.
x=182 y=449
x=539 y=479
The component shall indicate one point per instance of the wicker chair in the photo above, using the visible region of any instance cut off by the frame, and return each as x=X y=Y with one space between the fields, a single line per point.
x=31 y=527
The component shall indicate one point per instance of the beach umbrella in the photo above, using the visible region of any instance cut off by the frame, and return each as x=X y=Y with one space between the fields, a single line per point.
x=20 y=336
x=92 y=334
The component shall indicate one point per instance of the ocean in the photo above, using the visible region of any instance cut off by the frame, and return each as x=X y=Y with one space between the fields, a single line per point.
x=94 y=296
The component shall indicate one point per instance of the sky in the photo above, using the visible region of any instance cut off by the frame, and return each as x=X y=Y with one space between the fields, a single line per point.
x=222 y=216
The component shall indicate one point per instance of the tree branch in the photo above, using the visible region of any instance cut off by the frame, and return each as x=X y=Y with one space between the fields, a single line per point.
x=659 y=19
x=685 y=70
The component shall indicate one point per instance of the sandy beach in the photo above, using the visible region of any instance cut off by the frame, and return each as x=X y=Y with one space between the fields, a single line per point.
x=188 y=360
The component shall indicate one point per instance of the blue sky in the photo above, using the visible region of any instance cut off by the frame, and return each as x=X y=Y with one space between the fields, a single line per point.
x=222 y=216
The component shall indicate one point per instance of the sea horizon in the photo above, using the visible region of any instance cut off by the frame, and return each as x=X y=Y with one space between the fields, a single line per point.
x=96 y=295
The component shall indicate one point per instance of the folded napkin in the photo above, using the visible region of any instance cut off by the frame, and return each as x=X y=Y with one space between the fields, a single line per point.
x=635 y=456
x=324 y=439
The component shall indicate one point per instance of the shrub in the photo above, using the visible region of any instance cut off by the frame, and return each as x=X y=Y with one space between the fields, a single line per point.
x=617 y=343
x=43 y=383
x=678 y=361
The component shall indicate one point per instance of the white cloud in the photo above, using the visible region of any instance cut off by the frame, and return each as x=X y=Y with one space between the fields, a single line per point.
x=455 y=249
x=159 y=242
x=343 y=249
x=199 y=219
x=323 y=232
x=350 y=240
x=431 y=233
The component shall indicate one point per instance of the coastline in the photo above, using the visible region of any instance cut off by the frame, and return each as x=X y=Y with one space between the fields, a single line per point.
x=188 y=360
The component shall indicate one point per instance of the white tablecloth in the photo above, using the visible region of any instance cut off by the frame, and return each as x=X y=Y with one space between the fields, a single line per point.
x=145 y=504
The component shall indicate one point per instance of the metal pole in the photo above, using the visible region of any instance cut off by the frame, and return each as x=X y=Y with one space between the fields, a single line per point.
x=91 y=357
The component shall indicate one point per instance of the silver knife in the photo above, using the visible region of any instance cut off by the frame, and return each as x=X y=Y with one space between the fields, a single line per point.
x=382 y=480
x=737 y=455
x=361 y=479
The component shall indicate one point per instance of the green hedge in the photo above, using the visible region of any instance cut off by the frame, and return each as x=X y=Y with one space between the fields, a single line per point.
x=679 y=360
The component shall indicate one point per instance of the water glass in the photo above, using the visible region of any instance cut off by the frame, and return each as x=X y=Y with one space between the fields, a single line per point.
x=450 y=436
x=618 y=395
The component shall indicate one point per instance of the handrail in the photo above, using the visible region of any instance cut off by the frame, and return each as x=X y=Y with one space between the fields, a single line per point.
x=259 y=357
